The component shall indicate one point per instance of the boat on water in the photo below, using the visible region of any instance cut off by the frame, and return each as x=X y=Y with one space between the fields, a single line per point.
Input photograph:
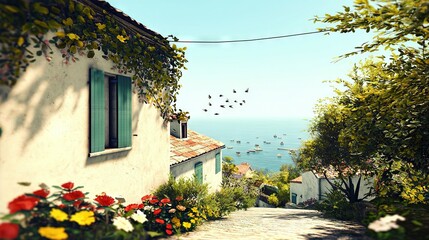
x=238 y=153
x=279 y=155
x=229 y=147
x=266 y=142
x=251 y=151
x=282 y=143
x=275 y=136
x=258 y=148
x=238 y=141
x=287 y=149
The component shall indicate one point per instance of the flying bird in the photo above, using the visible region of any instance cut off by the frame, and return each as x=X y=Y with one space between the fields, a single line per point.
x=221 y=95
x=210 y=96
x=247 y=90
x=233 y=90
x=227 y=100
x=230 y=106
x=241 y=104
x=210 y=104
x=216 y=114
x=205 y=110
x=244 y=101
x=235 y=101
x=222 y=106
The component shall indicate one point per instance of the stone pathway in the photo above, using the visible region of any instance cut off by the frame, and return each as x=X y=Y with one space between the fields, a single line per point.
x=276 y=223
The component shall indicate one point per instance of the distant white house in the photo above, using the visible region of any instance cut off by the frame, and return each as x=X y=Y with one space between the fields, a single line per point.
x=193 y=154
x=311 y=185
x=244 y=170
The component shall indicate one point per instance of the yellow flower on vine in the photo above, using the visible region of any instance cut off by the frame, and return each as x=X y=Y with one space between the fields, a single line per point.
x=83 y=218
x=187 y=225
x=100 y=26
x=58 y=215
x=122 y=38
x=193 y=221
x=55 y=233
x=194 y=209
x=190 y=214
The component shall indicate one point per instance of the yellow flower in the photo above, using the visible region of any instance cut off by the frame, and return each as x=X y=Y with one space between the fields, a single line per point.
x=194 y=209
x=190 y=214
x=83 y=218
x=53 y=233
x=100 y=26
x=193 y=221
x=175 y=221
x=186 y=225
x=121 y=38
x=58 y=215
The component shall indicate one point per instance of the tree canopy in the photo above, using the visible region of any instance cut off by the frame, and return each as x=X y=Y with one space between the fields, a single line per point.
x=379 y=120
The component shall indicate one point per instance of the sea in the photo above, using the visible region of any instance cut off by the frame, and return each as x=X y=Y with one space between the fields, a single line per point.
x=275 y=137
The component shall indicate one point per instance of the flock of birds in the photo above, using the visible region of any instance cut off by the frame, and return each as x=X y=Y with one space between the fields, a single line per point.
x=223 y=102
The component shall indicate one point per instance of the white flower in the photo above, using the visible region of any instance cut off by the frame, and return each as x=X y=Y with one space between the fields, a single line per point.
x=148 y=208
x=386 y=223
x=139 y=216
x=123 y=224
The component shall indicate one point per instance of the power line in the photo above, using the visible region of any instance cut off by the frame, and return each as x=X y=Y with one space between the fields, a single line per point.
x=246 y=40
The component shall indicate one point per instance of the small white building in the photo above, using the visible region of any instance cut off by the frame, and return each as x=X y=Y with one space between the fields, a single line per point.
x=193 y=154
x=311 y=185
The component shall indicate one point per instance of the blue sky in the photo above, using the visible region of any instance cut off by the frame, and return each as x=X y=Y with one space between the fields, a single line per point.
x=285 y=77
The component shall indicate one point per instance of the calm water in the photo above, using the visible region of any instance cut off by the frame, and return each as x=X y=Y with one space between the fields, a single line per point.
x=241 y=135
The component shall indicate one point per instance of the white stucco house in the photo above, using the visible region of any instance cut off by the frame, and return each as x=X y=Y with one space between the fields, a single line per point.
x=193 y=154
x=312 y=185
x=59 y=124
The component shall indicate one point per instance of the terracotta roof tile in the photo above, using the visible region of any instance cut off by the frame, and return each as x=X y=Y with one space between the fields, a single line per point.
x=297 y=180
x=195 y=145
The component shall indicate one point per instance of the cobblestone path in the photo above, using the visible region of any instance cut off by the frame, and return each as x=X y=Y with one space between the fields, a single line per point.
x=276 y=223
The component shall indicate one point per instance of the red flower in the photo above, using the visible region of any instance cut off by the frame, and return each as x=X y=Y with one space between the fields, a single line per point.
x=169 y=226
x=42 y=193
x=68 y=185
x=160 y=221
x=71 y=196
x=147 y=197
x=165 y=200
x=153 y=201
x=157 y=211
x=179 y=198
x=22 y=203
x=104 y=200
x=168 y=231
x=76 y=204
x=9 y=231
x=131 y=207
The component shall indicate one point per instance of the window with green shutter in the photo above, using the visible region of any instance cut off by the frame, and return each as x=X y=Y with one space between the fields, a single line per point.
x=218 y=163
x=199 y=172
x=110 y=111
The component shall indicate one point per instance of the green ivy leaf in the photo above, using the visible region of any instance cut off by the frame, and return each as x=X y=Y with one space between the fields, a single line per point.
x=40 y=9
x=41 y=24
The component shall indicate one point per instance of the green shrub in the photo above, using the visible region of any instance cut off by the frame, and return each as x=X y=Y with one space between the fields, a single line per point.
x=335 y=205
x=191 y=190
x=273 y=200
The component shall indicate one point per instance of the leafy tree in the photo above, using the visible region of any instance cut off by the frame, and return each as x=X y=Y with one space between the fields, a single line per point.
x=387 y=100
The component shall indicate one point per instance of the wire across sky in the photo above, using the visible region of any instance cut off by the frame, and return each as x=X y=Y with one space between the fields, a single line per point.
x=246 y=40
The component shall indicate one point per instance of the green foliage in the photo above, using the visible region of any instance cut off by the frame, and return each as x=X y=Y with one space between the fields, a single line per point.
x=384 y=110
x=190 y=190
x=335 y=205
x=30 y=29
x=273 y=200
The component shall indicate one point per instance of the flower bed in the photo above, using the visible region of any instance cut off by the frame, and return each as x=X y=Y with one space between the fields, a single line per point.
x=67 y=214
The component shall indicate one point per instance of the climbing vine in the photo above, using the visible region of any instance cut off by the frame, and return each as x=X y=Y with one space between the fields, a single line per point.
x=33 y=28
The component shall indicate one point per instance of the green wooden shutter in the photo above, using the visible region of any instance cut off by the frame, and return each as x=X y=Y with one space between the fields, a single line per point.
x=199 y=172
x=97 y=111
x=124 y=111
x=218 y=163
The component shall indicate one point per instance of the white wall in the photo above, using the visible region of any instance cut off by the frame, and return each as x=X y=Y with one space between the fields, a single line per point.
x=45 y=122
x=186 y=169
x=309 y=188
